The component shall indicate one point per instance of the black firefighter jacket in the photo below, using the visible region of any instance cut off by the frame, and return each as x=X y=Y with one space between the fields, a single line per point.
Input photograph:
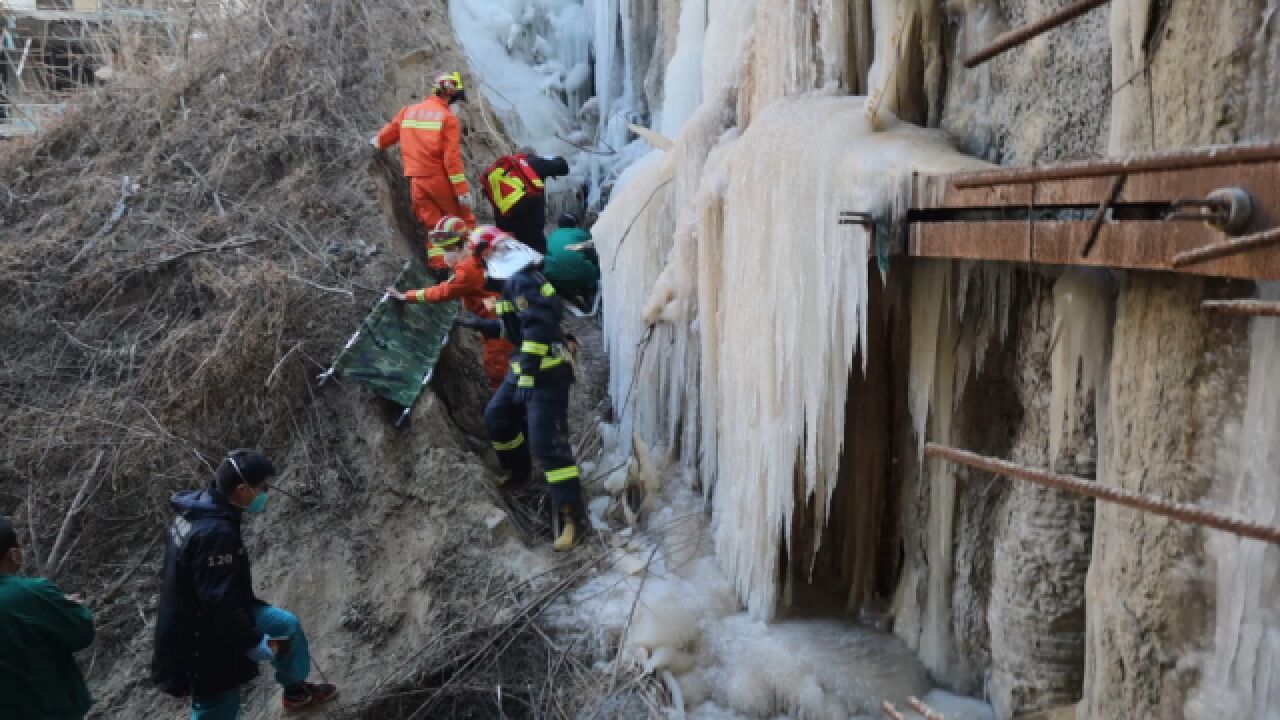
x=205 y=625
x=529 y=315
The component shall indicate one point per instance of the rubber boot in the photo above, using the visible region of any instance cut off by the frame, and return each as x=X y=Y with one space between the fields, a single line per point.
x=568 y=531
x=517 y=468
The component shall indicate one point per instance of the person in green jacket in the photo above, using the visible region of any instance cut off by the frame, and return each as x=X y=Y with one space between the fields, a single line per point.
x=40 y=629
x=571 y=264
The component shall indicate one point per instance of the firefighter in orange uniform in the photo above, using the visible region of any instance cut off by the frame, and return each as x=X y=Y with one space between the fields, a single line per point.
x=467 y=285
x=430 y=144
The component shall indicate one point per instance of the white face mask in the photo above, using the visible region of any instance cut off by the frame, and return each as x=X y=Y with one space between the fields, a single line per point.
x=451 y=258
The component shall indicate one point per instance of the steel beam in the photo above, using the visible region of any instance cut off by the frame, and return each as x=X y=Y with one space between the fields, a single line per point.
x=1050 y=215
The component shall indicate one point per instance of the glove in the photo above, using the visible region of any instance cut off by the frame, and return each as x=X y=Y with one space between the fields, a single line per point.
x=441 y=274
x=465 y=201
x=261 y=652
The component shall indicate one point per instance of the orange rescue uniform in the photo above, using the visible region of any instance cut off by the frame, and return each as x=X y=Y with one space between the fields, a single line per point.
x=467 y=285
x=431 y=146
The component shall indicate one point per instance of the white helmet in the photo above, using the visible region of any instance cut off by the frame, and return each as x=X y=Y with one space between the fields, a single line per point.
x=502 y=254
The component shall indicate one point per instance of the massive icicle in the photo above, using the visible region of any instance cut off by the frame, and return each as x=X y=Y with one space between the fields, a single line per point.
x=1079 y=348
x=776 y=370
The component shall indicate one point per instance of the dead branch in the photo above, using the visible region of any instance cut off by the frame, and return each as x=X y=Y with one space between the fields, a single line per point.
x=54 y=561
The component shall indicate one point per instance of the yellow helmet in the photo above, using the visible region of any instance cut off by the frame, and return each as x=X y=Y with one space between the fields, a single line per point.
x=449 y=85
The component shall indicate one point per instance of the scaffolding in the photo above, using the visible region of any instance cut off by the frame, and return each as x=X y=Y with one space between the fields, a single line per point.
x=51 y=50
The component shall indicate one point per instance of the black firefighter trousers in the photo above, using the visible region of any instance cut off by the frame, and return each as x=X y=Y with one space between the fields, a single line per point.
x=546 y=415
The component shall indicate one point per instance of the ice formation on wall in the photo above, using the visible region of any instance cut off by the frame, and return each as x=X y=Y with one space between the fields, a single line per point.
x=781 y=307
x=935 y=348
x=1241 y=673
x=1079 y=348
x=530 y=59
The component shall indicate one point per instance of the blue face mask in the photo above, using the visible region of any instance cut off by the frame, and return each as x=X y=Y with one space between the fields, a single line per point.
x=259 y=504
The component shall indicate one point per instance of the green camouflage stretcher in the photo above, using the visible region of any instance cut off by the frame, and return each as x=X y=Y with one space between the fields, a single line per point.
x=395 y=351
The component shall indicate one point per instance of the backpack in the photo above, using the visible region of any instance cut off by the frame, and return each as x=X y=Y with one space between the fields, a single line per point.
x=509 y=180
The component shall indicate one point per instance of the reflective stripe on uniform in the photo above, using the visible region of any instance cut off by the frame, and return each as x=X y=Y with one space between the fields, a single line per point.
x=534 y=348
x=421 y=124
x=515 y=368
x=562 y=474
x=511 y=445
x=505 y=190
x=457 y=178
x=526 y=381
x=548 y=289
x=502 y=307
x=550 y=362
x=435 y=252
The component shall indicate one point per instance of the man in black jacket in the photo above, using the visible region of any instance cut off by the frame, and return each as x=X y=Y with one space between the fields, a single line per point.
x=535 y=393
x=514 y=187
x=212 y=631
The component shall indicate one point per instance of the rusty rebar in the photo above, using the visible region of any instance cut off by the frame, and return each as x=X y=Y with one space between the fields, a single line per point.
x=1228 y=248
x=928 y=712
x=1018 y=36
x=1208 y=157
x=1185 y=512
x=1116 y=186
x=890 y=711
x=1252 y=308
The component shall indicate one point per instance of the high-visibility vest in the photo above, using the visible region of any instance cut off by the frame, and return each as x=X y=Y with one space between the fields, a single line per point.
x=510 y=180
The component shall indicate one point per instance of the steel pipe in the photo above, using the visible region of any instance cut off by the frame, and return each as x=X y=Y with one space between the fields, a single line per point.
x=1185 y=512
x=1018 y=36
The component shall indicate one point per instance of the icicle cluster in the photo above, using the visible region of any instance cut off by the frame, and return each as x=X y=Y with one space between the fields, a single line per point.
x=1079 y=348
x=753 y=298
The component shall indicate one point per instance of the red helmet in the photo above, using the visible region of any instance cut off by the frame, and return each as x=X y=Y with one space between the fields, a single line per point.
x=449 y=85
x=485 y=238
x=449 y=231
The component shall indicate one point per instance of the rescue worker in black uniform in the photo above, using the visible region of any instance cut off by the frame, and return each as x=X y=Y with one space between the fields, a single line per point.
x=212 y=631
x=514 y=186
x=535 y=393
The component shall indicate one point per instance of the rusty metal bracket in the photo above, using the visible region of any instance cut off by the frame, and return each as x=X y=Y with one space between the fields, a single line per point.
x=1225 y=209
x=1140 y=213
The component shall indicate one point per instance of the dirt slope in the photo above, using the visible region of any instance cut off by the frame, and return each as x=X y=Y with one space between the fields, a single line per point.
x=138 y=348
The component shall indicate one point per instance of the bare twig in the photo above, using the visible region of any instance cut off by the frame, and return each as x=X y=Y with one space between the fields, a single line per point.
x=622 y=642
x=197 y=251
x=54 y=561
